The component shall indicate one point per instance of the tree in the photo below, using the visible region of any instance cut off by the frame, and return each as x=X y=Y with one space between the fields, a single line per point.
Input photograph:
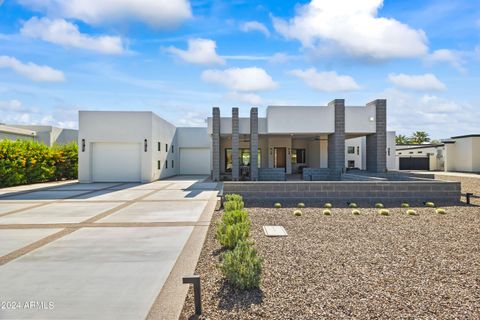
x=401 y=139
x=419 y=137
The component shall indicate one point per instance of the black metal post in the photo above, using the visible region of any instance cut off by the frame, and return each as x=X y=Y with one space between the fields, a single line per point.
x=195 y=280
x=468 y=195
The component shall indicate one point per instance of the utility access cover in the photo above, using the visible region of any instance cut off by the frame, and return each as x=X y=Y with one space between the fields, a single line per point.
x=274 y=231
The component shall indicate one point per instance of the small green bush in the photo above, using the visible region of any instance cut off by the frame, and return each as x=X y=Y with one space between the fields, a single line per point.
x=384 y=212
x=301 y=205
x=405 y=205
x=379 y=205
x=429 y=204
x=233 y=197
x=411 y=212
x=233 y=205
x=352 y=205
x=441 y=211
x=233 y=217
x=356 y=212
x=327 y=205
x=327 y=212
x=242 y=267
x=229 y=235
x=297 y=213
x=277 y=205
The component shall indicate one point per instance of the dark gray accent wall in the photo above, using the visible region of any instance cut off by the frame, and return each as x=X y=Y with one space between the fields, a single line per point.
x=235 y=145
x=336 y=140
x=377 y=142
x=216 y=144
x=254 y=144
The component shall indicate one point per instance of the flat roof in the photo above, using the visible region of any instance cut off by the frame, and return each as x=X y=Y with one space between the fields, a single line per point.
x=420 y=146
x=475 y=135
x=19 y=131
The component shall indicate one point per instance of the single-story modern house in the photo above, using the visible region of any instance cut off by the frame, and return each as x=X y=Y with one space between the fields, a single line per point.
x=309 y=143
x=462 y=153
x=48 y=135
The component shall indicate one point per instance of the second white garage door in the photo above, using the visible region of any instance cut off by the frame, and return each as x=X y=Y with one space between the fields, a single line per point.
x=116 y=162
x=194 y=161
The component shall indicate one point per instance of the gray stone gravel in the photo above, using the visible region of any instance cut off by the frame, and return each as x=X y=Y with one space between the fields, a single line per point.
x=345 y=266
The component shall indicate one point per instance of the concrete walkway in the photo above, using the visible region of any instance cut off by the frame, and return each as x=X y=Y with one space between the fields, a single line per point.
x=101 y=251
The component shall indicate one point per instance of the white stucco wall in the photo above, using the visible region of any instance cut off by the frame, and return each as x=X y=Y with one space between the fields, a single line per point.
x=360 y=120
x=463 y=155
x=296 y=119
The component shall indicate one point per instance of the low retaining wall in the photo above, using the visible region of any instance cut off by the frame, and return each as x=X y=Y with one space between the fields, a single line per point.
x=342 y=191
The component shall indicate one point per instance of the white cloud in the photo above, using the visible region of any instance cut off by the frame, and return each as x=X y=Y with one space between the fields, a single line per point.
x=241 y=79
x=449 y=56
x=248 y=98
x=421 y=82
x=158 y=13
x=255 y=26
x=281 y=57
x=32 y=71
x=200 y=51
x=328 y=81
x=353 y=27
x=64 y=33
x=11 y=105
x=192 y=119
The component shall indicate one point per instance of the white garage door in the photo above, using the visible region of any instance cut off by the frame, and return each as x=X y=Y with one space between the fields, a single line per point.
x=112 y=162
x=194 y=161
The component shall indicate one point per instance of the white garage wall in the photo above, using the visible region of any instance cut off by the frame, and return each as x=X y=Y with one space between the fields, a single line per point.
x=165 y=133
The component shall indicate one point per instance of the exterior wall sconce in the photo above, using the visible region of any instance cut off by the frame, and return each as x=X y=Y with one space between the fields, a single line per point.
x=145 y=144
x=83 y=145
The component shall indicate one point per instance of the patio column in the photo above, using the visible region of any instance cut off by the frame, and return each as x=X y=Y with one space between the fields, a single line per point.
x=377 y=142
x=254 y=144
x=216 y=144
x=336 y=140
x=235 y=145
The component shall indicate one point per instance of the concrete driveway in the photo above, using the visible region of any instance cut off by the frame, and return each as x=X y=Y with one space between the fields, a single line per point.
x=101 y=251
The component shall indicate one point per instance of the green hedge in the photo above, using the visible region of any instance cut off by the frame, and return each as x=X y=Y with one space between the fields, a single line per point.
x=24 y=162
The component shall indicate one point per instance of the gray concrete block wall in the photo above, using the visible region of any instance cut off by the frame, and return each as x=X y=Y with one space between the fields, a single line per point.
x=235 y=145
x=271 y=174
x=338 y=192
x=254 y=144
x=216 y=144
x=336 y=140
x=377 y=143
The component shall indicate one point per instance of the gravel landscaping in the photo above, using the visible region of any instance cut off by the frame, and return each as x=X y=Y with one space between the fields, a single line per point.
x=353 y=266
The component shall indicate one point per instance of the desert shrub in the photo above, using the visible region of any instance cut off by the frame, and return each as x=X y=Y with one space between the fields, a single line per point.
x=233 y=205
x=352 y=205
x=233 y=197
x=384 y=212
x=297 y=213
x=301 y=205
x=277 y=205
x=242 y=267
x=327 y=205
x=233 y=217
x=379 y=205
x=23 y=162
x=411 y=212
x=229 y=235
x=327 y=212
x=441 y=211
x=356 y=212
x=429 y=204
x=405 y=205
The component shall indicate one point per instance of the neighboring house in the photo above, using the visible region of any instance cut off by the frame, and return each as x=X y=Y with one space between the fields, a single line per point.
x=420 y=157
x=48 y=135
x=140 y=146
x=356 y=156
x=462 y=153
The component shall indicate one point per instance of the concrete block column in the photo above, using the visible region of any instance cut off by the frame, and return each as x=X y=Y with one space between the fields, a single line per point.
x=254 y=144
x=216 y=144
x=336 y=140
x=376 y=156
x=235 y=145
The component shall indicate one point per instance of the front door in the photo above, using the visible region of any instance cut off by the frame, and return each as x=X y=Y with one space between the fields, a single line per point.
x=280 y=158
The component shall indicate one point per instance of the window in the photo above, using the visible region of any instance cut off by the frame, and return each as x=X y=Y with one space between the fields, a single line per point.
x=172 y=163
x=243 y=158
x=399 y=153
x=358 y=150
x=351 y=164
x=420 y=151
x=159 y=146
x=173 y=149
x=350 y=150
x=166 y=147
x=411 y=152
x=166 y=164
x=388 y=151
x=298 y=156
x=159 y=165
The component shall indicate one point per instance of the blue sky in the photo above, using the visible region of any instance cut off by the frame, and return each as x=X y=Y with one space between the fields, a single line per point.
x=179 y=58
